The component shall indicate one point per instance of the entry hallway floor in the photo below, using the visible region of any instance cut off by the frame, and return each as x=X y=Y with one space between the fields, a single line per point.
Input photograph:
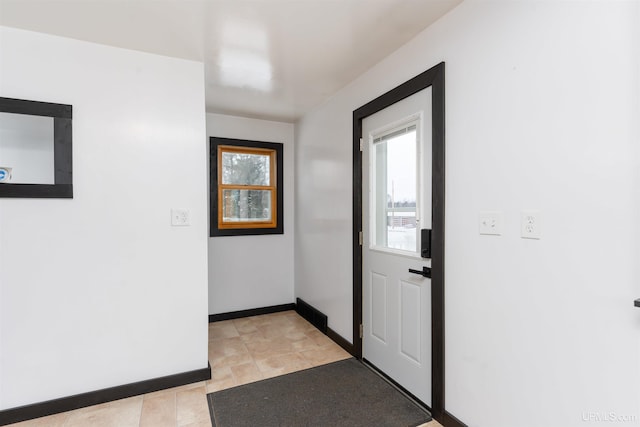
x=240 y=351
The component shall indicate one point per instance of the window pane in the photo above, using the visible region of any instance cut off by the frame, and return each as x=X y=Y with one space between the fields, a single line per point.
x=395 y=180
x=246 y=169
x=246 y=205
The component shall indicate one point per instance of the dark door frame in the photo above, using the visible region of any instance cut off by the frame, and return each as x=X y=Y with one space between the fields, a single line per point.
x=434 y=78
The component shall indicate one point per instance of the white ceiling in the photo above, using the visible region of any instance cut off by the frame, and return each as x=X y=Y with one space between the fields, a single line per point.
x=271 y=59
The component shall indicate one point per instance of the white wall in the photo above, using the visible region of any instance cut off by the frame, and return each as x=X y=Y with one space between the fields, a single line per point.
x=248 y=272
x=542 y=113
x=99 y=290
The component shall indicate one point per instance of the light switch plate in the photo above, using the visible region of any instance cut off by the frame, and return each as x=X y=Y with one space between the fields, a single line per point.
x=490 y=223
x=180 y=217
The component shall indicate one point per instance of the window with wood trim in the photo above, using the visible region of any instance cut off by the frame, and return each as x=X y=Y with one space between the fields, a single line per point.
x=246 y=187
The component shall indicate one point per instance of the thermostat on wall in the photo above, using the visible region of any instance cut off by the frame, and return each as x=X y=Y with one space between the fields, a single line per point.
x=5 y=174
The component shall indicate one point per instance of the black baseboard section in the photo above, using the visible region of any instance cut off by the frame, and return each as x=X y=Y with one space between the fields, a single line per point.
x=312 y=315
x=64 y=404
x=251 y=312
x=338 y=339
x=451 y=421
x=320 y=321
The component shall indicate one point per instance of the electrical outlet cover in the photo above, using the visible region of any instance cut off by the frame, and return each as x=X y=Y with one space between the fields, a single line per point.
x=531 y=224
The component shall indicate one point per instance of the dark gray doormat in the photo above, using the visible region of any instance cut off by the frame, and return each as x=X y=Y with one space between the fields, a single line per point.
x=344 y=393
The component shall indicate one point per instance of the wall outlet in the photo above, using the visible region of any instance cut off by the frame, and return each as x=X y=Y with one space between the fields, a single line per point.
x=531 y=224
x=180 y=217
x=490 y=222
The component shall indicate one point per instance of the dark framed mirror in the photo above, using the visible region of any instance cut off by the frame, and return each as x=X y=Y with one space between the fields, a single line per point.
x=35 y=149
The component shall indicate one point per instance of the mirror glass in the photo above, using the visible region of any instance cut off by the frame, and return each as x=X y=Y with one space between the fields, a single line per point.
x=26 y=149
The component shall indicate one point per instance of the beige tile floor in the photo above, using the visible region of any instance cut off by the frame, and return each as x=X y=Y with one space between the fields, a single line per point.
x=240 y=351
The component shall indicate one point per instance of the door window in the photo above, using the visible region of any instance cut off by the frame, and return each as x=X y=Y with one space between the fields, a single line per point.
x=395 y=188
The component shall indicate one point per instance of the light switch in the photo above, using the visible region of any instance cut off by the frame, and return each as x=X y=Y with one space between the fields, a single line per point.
x=490 y=222
x=180 y=217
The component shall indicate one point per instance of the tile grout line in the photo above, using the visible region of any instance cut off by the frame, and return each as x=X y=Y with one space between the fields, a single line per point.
x=141 y=408
x=175 y=407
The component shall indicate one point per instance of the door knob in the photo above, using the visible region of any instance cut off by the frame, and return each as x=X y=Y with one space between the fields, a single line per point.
x=426 y=272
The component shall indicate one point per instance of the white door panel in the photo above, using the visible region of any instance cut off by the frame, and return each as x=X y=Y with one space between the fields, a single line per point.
x=410 y=321
x=379 y=306
x=396 y=205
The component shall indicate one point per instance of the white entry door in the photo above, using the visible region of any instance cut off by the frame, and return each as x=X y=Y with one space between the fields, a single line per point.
x=396 y=205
